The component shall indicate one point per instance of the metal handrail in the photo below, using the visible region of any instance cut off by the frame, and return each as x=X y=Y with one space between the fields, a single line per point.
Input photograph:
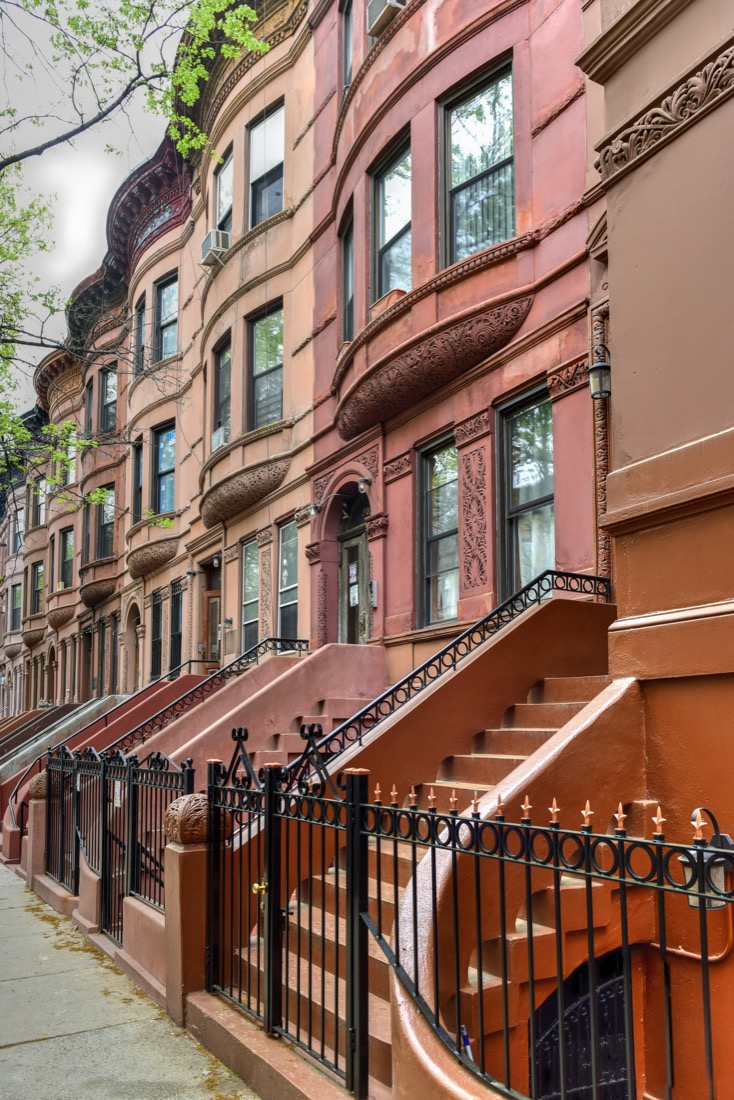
x=77 y=733
x=445 y=660
x=205 y=688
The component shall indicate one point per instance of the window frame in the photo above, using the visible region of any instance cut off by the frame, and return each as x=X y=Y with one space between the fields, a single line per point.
x=89 y=410
x=223 y=219
x=347 y=279
x=139 y=362
x=66 y=559
x=221 y=405
x=162 y=327
x=253 y=378
x=457 y=98
x=271 y=175
x=347 y=45
x=156 y=635
x=16 y=610
x=250 y=546
x=160 y=474
x=289 y=526
x=39 y=492
x=429 y=539
x=37 y=586
x=18 y=530
x=107 y=412
x=137 y=480
x=105 y=526
x=380 y=247
x=507 y=513
x=175 y=633
x=51 y=562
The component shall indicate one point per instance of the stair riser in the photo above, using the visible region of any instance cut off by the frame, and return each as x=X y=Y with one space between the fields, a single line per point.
x=520 y=742
x=540 y=715
x=325 y=895
x=567 y=689
x=482 y=770
x=324 y=952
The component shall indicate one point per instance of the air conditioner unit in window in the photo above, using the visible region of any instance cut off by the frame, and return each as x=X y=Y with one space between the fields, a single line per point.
x=214 y=245
x=220 y=437
x=382 y=12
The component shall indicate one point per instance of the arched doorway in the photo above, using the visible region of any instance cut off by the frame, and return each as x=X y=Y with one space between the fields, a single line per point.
x=354 y=571
x=131 y=669
x=51 y=676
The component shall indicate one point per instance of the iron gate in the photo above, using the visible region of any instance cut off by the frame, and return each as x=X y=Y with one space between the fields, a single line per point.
x=115 y=793
x=62 y=853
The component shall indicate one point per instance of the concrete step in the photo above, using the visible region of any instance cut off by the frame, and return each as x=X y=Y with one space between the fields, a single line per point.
x=522 y=741
x=544 y=956
x=319 y=935
x=442 y=792
x=484 y=769
x=564 y=689
x=329 y=892
x=540 y=715
x=573 y=906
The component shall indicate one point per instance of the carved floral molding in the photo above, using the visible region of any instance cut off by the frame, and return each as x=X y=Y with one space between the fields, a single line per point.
x=33 y=637
x=152 y=556
x=12 y=651
x=472 y=429
x=242 y=489
x=96 y=592
x=699 y=93
x=59 y=616
x=474 y=519
x=187 y=819
x=377 y=526
x=397 y=467
x=567 y=379
x=433 y=362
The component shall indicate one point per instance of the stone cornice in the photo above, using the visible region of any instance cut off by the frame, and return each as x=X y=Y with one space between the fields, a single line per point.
x=683 y=107
x=634 y=28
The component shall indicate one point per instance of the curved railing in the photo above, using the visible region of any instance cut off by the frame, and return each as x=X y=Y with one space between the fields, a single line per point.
x=205 y=688
x=172 y=674
x=445 y=660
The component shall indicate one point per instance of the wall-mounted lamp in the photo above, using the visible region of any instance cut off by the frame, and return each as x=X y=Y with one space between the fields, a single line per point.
x=363 y=483
x=215 y=561
x=600 y=373
x=228 y=624
x=710 y=860
x=314 y=509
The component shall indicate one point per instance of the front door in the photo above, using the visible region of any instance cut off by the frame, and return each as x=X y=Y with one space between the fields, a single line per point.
x=354 y=590
x=212 y=640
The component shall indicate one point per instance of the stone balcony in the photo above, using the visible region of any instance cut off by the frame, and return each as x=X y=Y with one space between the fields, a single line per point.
x=61 y=606
x=98 y=581
x=150 y=548
x=33 y=629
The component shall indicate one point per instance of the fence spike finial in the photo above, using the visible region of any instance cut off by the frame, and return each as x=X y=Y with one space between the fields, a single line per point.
x=554 y=811
x=526 y=807
x=699 y=823
x=431 y=799
x=453 y=800
x=412 y=797
x=394 y=795
x=658 y=821
x=587 y=813
x=620 y=817
x=500 y=811
x=378 y=792
x=475 y=803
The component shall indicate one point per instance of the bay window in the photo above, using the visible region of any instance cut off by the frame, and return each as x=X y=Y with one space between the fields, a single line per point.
x=393 y=226
x=267 y=368
x=164 y=468
x=166 y=318
x=267 y=145
x=440 y=534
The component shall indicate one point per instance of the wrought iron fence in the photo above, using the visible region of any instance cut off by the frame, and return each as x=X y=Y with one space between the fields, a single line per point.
x=553 y=963
x=112 y=808
x=204 y=689
x=445 y=660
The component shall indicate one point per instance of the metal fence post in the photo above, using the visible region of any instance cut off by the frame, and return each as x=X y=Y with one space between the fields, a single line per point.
x=357 y=1059
x=75 y=816
x=273 y=999
x=213 y=876
x=132 y=863
x=49 y=813
x=104 y=848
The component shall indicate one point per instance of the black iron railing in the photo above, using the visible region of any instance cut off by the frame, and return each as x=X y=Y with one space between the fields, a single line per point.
x=445 y=660
x=152 y=787
x=205 y=688
x=62 y=853
x=104 y=719
x=551 y=962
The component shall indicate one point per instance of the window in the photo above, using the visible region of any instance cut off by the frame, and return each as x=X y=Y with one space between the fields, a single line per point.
x=64 y=662
x=529 y=545
x=101 y=656
x=166 y=318
x=156 y=645
x=348 y=282
x=441 y=537
x=267 y=143
x=140 y=335
x=174 y=657
x=164 y=468
x=137 y=487
x=222 y=393
x=267 y=369
x=224 y=180
x=72 y=683
x=38 y=502
x=66 y=558
x=481 y=197
x=51 y=562
x=68 y=472
x=86 y=549
x=288 y=582
x=16 y=606
x=89 y=412
x=108 y=400
x=347 y=44
x=36 y=587
x=250 y=594
x=106 y=524
x=392 y=226
x=114 y=651
x=18 y=530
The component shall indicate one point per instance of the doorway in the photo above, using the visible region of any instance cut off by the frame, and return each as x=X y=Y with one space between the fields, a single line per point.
x=354 y=572
x=210 y=646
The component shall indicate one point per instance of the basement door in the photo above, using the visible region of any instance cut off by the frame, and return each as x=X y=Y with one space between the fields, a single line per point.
x=576 y=1035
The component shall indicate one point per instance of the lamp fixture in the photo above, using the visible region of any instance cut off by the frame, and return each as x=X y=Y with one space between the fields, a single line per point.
x=228 y=623
x=363 y=483
x=600 y=373
x=314 y=509
x=215 y=561
x=710 y=862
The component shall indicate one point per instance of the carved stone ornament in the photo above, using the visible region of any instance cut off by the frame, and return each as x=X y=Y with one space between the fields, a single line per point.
x=241 y=490
x=370 y=461
x=231 y=553
x=377 y=526
x=397 y=467
x=266 y=593
x=33 y=637
x=396 y=385
x=321 y=611
x=474 y=519
x=12 y=651
x=187 y=819
x=152 y=556
x=59 y=616
x=472 y=429
x=568 y=379
x=96 y=592
x=319 y=487
x=600 y=335
x=700 y=92
x=313 y=553
x=303 y=516
x=265 y=537
x=38 y=787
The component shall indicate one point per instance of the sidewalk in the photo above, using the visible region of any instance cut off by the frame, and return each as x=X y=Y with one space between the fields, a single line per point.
x=73 y=1027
